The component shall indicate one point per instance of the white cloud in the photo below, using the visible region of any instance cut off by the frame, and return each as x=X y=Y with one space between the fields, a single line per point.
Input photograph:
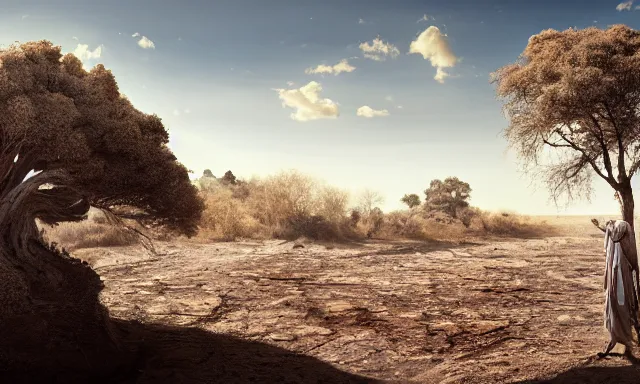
x=625 y=6
x=378 y=50
x=342 y=66
x=433 y=46
x=82 y=52
x=24 y=16
x=425 y=18
x=145 y=43
x=307 y=103
x=389 y=98
x=291 y=83
x=399 y=107
x=135 y=35
x=177 y=112
x=75 y=38
x=368 y=112
x=361 y=21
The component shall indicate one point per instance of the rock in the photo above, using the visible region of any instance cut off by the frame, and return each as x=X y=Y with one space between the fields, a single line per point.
x=486 y=326
x=303 y=331
x=339 y=306
x=447 y=327
x=564 y=319
x=282 y=337
x=298 y=245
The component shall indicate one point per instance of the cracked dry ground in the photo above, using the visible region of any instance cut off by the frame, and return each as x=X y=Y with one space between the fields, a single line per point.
x=488 y=312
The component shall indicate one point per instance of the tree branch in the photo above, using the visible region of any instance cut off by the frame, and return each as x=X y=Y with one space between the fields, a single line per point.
x=622 y=174
x=592 y=162
x=603 y=146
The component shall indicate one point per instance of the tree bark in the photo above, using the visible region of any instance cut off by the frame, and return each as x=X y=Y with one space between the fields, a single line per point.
x=52 y=324
x=626 y=197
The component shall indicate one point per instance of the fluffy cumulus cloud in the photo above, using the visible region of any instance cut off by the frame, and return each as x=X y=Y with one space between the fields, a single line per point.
x=144 y=42
x=625 y=6
x=307 y=103
x=379 y=50
x=342 y=66
x=433 y=46
x=368 y=112
x=83 y=52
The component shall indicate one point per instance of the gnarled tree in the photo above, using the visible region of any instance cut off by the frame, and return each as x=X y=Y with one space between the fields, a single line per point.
x=89 y=147
x=575 y=95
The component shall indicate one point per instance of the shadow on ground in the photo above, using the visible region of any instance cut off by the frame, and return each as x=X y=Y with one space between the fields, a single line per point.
x=594 y=375
x=191 y=355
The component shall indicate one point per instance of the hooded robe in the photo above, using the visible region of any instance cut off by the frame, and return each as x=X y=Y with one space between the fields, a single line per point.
x=621 y=303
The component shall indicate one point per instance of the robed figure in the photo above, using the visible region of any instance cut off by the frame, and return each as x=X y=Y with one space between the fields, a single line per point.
x=620 y=284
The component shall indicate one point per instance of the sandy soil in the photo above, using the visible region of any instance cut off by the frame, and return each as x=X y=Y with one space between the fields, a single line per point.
x=485 y=311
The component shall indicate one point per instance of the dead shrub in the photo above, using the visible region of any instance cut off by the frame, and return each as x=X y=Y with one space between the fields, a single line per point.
x=89 y=234
x=511 y=225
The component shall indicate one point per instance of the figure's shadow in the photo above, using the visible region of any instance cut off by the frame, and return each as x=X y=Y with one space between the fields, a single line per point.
x=193 y=355
x=165 y=354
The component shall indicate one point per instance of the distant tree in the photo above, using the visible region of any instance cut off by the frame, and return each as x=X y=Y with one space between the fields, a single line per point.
x=368 y=200
x=576 y=94
x=449 y=196
x=88 y=146
x=207 y=173
x=411 y=200
x=228 y=178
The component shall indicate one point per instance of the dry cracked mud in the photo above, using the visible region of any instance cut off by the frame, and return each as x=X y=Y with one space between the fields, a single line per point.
x=484 y=311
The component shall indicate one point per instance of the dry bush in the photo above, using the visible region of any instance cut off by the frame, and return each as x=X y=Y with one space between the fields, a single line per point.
x=287 y=205
x=226 y=218
x=511 y=225
x=90 y=233
x=417 y=224
x=290 y=205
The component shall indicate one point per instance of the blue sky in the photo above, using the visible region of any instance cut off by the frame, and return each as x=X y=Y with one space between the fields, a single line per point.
x=214 y=70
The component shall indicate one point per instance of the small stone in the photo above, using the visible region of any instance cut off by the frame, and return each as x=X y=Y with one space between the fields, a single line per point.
x=339 y=306
x=282 y=337
x=564 y=319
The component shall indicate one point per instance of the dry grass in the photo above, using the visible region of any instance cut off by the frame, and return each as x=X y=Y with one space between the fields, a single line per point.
x=510 y=224
x=91 y=233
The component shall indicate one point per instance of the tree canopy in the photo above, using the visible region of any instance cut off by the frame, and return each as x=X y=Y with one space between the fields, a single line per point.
x=56 y=116
x=572 y=100
x=412 y=200
x=448 y=196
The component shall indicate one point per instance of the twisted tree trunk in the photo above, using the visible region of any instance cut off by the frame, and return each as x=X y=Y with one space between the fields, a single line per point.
x=52 y=323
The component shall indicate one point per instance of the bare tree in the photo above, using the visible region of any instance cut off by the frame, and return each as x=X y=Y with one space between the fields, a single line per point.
x=89 y=147
x=368 y=200
x=573 y=99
